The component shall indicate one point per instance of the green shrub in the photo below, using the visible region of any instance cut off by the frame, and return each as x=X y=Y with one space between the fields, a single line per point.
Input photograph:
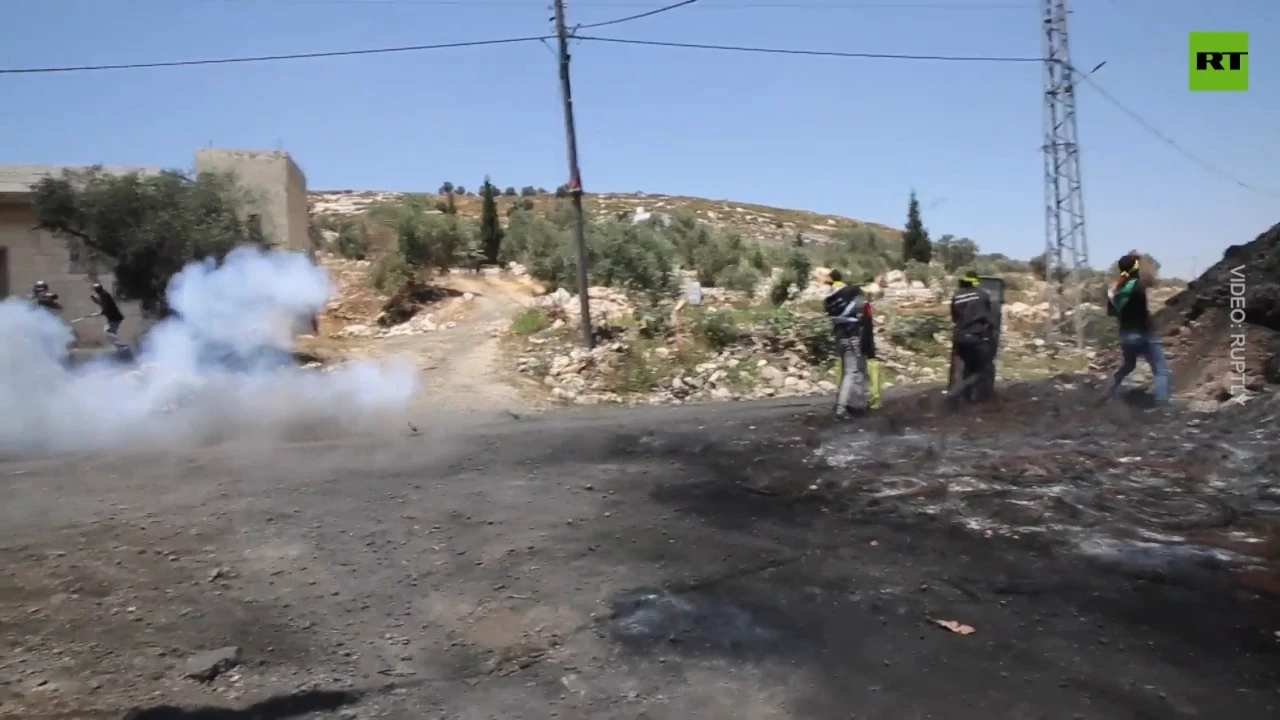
x=718 y=329
x=653 y=322
x=353 y=241
x=427 y=240
x=1013 y=283
x=390 y=273
x=636 y=375
x=801 y=268
x=330 y=222
x=818 y=339
x=780 y=290
x=917 y=333
x=739 y=278
x=530 y=322
x=810 y=334
x=631 y=257
x=542 y=247
x=916 y=271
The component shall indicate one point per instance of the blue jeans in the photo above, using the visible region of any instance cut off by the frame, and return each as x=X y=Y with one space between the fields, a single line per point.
x=1140 y=344
x=112 y=331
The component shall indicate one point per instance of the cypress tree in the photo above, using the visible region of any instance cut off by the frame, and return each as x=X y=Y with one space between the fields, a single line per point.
x=490 y=226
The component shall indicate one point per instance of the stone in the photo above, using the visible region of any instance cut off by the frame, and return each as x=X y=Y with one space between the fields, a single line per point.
x=206 y=666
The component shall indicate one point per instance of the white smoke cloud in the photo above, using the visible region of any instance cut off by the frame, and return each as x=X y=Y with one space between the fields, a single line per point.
x=219 y=369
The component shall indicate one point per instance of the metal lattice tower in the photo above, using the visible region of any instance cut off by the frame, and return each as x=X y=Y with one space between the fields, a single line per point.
x=1066 y=248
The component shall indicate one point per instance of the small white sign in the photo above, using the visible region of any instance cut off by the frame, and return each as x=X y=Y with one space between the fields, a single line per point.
x=695 y=293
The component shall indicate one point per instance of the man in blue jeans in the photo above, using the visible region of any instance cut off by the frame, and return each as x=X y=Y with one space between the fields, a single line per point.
x=1127 y=302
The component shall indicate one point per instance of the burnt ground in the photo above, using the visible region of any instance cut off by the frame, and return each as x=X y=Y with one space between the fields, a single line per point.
x=743 y=561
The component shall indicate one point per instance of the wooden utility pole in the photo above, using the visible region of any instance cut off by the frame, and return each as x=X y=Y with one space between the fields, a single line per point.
x=575 y=178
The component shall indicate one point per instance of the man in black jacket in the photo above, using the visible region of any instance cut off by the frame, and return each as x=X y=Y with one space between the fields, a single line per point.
x=850 y=313
x=110 y=312
x=1127 y=302
x=971 y=339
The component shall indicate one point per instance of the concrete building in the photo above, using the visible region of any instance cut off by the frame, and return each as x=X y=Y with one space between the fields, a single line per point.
x=278 y=191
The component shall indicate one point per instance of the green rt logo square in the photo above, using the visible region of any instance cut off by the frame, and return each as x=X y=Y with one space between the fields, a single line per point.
x=1219 y=62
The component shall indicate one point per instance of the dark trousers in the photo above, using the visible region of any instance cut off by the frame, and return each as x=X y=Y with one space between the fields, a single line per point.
x=974 y=353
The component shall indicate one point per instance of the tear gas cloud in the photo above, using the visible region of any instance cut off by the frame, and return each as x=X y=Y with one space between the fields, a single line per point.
x=220 y=368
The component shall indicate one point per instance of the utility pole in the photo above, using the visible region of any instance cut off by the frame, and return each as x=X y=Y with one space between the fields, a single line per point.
x=575 y=179
x=1065 y=244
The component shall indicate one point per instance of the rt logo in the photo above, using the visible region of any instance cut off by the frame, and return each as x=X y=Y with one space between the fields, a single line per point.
x=1219 y=62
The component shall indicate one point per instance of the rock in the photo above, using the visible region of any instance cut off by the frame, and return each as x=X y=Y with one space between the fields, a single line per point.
x=208 y=665
x=354 y=331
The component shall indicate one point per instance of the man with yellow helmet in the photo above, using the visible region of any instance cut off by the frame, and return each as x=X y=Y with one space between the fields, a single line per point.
x=972 y=338
x=850 y=313
x=1127 y=302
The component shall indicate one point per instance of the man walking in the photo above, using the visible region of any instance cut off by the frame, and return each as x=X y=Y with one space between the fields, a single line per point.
x=971 y=339
x=850 y=314
x=110 y=312
x=1127 y=302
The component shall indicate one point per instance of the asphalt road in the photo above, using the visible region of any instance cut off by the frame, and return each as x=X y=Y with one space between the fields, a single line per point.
x=692 y=562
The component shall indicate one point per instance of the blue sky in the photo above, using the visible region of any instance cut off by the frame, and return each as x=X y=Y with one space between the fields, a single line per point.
x=842 y=136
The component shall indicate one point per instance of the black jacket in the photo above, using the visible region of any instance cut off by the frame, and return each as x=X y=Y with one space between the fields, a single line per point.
x=971 y=312
x=110 y=310
x=47 y=300
x=1127 y=303
x=850 y=313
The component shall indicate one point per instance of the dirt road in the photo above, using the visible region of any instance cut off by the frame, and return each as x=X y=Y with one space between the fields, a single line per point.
x=694 y=562
x=461 y=363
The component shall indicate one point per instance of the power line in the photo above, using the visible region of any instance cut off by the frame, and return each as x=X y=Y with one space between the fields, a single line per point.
x=715 y=6
x=1102 y=92
x=270 y=58
x=637 y=16
x=504 y=41
x=814 y=53
x=1142 y=122
x=1145 y=125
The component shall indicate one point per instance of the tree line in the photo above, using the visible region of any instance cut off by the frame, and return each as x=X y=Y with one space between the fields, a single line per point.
x=144 y=229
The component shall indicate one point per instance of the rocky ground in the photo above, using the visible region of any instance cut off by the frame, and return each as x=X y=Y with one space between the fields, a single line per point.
x=1041 y=559
x=671 y=354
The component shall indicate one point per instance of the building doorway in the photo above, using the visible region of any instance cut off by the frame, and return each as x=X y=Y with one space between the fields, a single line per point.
x=4 y=272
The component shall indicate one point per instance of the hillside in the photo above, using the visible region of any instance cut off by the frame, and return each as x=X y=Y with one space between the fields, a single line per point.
x=758 y=222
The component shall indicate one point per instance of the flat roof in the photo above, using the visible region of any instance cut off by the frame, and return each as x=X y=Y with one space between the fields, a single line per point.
x=17 y=180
